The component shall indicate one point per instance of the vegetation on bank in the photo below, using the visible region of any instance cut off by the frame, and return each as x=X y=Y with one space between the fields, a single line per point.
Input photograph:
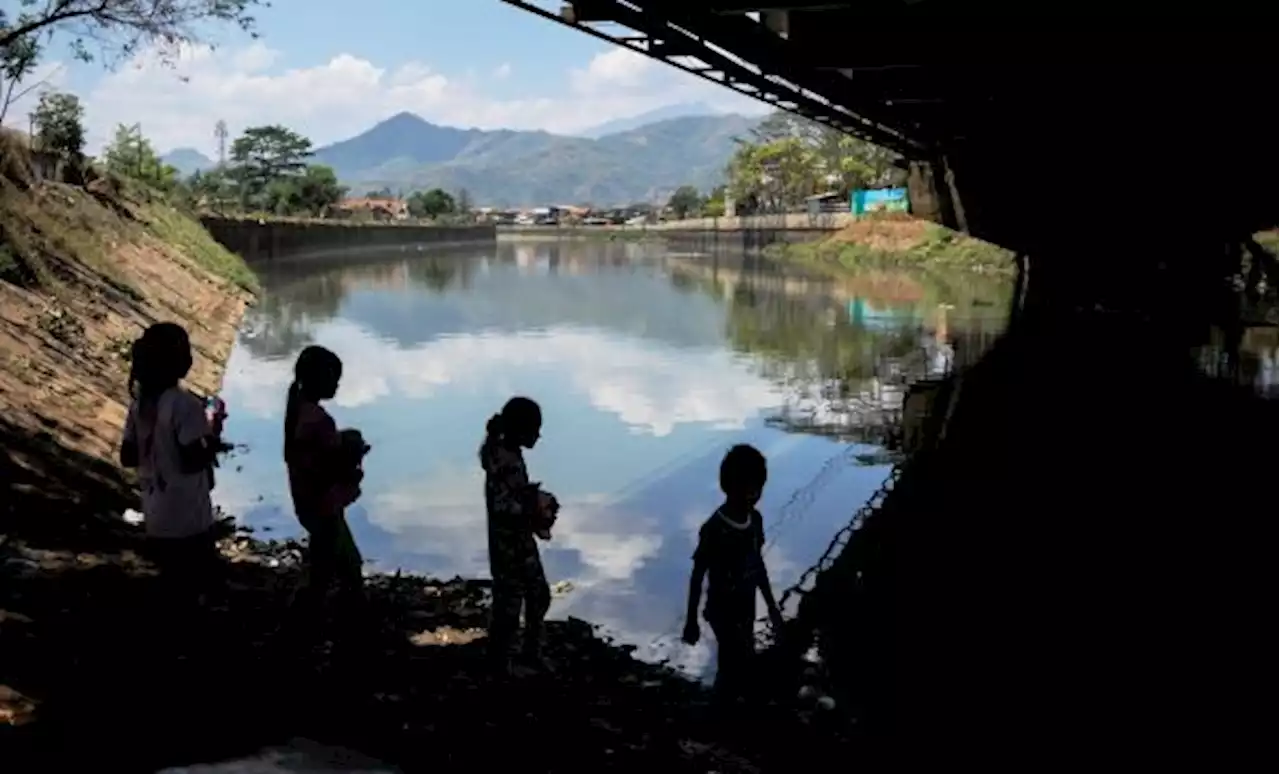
x=784 y=160
x=48 y=225
x=900 y=243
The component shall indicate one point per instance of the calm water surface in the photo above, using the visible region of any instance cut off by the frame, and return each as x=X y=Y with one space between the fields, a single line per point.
x=647 y=365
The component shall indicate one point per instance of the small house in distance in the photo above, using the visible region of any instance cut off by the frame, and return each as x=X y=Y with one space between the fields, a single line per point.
x=371 y=209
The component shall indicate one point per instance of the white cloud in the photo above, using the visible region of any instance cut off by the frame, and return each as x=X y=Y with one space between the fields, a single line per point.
x=646 y=388
x=178 y=106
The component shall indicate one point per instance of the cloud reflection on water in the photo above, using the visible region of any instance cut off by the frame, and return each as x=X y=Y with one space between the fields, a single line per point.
x=649 y=389
x=645 y=379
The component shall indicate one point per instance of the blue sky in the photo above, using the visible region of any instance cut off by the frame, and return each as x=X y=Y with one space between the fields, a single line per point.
x=331 y=69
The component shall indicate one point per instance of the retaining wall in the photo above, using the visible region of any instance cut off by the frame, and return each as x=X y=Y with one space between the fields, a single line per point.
x=748 y=232
x=275 y=240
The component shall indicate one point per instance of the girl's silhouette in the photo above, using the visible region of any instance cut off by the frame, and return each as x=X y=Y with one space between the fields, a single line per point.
x=324 y=474
x=172 y=442
x=517 y=509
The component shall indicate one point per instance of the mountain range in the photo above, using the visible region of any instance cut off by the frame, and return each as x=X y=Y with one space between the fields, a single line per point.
x=508 y=168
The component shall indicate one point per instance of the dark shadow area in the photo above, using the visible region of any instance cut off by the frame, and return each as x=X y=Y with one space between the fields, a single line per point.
x=1076 y=569
x=99 y=672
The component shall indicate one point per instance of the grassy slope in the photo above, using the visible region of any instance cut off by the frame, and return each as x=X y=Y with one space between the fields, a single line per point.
x=83 y=269
x=903 y=244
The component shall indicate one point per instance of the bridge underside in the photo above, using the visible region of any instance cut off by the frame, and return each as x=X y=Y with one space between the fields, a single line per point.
x=1099 y=142
x=1071 y=573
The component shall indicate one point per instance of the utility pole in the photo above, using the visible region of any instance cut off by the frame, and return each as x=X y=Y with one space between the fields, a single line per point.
x=220 y=132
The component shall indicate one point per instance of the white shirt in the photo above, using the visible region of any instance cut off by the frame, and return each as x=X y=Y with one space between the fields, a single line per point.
x=174 y=504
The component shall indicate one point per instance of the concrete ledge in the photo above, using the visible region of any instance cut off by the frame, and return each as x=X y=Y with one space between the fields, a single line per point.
x=272 y=240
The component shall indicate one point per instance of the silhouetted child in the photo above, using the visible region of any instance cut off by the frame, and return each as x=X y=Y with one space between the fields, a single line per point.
x=173 y=443
x=517 y=510
x=729 y=554
x=324 y=474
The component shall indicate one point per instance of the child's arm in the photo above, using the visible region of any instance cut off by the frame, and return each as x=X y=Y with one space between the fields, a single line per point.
x=762 y=577
x=766 y=590
x=197 y=446
x=696 y=578
x=129 y=444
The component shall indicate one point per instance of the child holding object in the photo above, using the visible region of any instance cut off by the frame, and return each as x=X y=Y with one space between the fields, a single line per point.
x=729 y=556
x=517 y=511
x=173 y=444
x=325 y=471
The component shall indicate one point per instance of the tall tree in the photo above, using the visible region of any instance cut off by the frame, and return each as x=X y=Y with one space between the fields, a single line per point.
x=59 y=124
x=264 y=155
x=117 y=29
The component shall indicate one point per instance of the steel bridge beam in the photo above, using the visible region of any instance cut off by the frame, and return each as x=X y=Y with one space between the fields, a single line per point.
x=681 y=40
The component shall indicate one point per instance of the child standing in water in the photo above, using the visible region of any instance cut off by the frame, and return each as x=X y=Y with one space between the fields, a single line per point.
x=324 y=474
x=170 y=440
x=517 y=509
x=730 y=546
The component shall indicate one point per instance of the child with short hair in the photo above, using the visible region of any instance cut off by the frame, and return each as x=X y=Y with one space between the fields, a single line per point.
x=325 y=471
x=173 y=444
x=729 y=554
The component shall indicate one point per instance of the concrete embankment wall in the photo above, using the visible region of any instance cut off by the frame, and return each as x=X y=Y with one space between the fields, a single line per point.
x=279 y=240
x=746 y=232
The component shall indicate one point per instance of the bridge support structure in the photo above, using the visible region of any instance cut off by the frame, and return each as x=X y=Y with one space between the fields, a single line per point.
x=932 y=190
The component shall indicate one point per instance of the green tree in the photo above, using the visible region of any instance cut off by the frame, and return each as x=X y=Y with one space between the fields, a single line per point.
x=381 y=193
x=713 y=207
x=788 y=157
x=263 y=158
x=685 y=201
x=59 y=124
x=316 y=190
x=431 y=204
x=213 y=188
x=130 y=154
x=463 y=201
x=117 y=29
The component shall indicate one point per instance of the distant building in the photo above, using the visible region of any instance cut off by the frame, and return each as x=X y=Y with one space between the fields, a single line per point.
x=374 y=208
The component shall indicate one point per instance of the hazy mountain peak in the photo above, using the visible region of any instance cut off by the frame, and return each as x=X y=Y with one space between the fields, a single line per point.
x=187 y=160
x=664 y=113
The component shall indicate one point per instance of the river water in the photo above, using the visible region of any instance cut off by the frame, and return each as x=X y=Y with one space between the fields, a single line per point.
x=648 y=366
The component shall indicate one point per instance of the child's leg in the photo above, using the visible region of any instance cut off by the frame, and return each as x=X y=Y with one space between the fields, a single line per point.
x=504 y=617
x=349 y=562
x=537 y=600
x=321 y=552
x=735 y=649
x=508 y=594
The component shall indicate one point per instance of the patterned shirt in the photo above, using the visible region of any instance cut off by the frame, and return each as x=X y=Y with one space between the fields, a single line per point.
x=509 y=498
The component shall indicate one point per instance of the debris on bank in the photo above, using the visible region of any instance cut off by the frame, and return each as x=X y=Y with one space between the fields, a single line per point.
x=84 y=655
